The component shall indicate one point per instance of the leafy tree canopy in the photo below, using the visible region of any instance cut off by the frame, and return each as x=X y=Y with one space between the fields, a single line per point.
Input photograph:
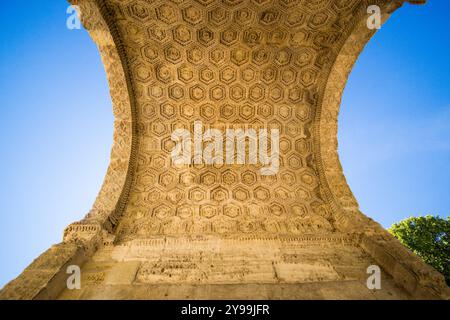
x=429 y=238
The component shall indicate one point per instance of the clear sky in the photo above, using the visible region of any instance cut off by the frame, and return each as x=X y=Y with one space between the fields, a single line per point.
x=56 y=123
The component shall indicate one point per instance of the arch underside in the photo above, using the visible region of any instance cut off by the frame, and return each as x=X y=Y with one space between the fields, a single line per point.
x=159 y=231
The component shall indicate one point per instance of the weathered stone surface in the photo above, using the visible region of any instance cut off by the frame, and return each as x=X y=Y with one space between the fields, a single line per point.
x=159 y=231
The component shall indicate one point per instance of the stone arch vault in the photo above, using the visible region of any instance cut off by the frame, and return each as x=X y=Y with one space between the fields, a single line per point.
x=160 y=231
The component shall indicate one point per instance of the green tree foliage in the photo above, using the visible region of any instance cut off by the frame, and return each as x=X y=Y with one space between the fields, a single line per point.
x=429 y=238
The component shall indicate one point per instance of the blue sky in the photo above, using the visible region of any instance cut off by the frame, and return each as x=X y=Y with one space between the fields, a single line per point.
x=56 y=123
x=394 y=129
